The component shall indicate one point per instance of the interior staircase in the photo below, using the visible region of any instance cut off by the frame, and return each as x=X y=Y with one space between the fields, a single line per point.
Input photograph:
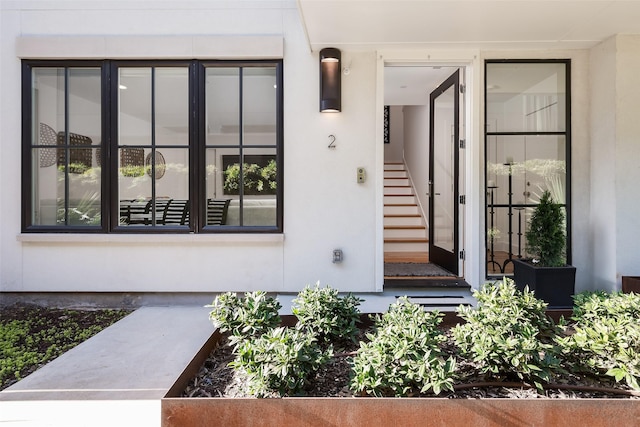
x=405 y=230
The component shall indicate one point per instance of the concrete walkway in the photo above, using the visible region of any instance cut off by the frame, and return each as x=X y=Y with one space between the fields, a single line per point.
x=119 y=376
x=115 y=378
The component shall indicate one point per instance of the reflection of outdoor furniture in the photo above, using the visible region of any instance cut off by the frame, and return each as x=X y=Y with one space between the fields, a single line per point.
x=217 y=211
x=134 y=212
x=176 y=212
x=170 y=212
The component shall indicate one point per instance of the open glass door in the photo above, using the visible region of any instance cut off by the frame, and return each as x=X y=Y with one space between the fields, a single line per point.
x=443 y=174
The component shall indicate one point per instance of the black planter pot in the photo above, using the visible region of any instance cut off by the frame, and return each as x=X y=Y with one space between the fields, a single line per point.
x=554 y=285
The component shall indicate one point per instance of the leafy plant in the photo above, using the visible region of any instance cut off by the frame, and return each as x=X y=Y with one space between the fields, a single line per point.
x=403 y=355
x=256 y=179
x=85 y=212
x=322 y=312
x=250 y=316
x=282 y=361
x=28 y=340
x=546 y=240
x=605 y=339
x=508 y=334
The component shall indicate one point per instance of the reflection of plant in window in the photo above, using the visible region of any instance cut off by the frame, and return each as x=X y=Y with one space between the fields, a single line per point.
x=552 y=171
x=257 y=179
x=86 y=212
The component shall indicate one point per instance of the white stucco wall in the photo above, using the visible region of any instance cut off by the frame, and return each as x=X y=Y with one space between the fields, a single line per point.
x=615 y=151
x=324 y=207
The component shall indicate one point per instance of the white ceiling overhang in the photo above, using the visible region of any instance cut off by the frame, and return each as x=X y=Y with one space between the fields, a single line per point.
x=477 y=24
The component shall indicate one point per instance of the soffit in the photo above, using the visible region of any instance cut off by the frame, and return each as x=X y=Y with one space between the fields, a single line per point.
x=485 y=24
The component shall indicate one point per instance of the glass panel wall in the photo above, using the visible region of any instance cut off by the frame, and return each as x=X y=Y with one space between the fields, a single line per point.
x=527 y=151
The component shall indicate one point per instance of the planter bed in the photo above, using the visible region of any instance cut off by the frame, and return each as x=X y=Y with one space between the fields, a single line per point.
x=371 y=411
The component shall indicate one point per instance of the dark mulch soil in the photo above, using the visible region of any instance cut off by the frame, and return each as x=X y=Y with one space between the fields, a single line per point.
x=216 y=379
x=33 y=335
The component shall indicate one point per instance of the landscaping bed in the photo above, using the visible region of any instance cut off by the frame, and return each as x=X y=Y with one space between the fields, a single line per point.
x=31 y=336
x=408 y=353
x=507 y=348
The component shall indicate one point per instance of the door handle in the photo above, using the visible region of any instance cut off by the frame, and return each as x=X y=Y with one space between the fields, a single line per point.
x=430 y=189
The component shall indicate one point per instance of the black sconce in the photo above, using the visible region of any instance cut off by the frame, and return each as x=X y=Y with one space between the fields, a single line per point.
x=330 y=80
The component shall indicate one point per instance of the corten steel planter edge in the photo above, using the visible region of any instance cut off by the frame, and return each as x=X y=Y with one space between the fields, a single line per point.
x=330 y=411
x=367 y=411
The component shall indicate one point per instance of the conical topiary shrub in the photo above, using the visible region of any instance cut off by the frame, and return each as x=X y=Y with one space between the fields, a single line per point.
x=546 y=239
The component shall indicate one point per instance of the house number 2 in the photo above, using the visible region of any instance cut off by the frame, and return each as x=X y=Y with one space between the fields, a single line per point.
x=332 y=141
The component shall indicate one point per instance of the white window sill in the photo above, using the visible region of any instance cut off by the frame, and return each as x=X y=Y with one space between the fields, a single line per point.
x=149 y=238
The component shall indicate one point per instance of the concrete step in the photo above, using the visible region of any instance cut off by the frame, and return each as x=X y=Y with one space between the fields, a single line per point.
x=399 y=220
x=399 y=199
x=398 y=190
x=396 y=209
x=410 y=231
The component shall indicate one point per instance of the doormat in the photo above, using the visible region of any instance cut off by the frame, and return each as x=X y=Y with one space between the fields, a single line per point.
x=411 y=269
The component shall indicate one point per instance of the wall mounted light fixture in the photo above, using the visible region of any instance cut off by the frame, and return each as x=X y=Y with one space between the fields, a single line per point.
x=330 y=80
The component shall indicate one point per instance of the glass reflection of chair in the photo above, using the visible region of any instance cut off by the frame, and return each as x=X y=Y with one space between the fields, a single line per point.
x=217 y=211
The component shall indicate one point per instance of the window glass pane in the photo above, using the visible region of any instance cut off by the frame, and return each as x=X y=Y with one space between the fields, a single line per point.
x=259 y=105
x=526 y=97
x=260 y=187
x=222 y=106
x=220 y=193
x=519 y=169
x=48 y=86
x=134 y=106
x=172 y=106
x=66 y=173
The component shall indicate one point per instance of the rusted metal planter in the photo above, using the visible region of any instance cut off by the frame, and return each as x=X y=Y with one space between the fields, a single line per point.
x=371 y=411
x=399 y=412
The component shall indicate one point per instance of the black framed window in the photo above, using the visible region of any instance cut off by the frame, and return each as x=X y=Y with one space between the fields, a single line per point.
x=152 y=146
x=527 y=151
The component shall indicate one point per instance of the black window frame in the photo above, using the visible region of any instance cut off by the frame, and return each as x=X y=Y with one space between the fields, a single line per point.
x=110 y=216
x=566 y=133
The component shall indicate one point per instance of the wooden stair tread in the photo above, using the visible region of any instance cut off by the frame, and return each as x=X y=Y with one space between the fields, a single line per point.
x=401 y=215
x=406 y=240
x=399 y=195
x=405 y=227
x=401 y=204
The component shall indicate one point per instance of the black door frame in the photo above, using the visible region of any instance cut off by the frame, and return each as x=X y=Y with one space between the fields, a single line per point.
x=437 y=255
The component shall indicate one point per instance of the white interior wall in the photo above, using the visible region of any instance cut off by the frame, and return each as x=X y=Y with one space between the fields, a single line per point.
x=416 y=151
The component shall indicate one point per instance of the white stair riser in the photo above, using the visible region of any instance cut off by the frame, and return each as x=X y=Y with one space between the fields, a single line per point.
x=398 y=190
x=406 y=247
x=399 y=200
x=395 y=174
x=405 y=232
x=394 y=166
x=400 y=210
x=397 y=181
x=403 y=220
